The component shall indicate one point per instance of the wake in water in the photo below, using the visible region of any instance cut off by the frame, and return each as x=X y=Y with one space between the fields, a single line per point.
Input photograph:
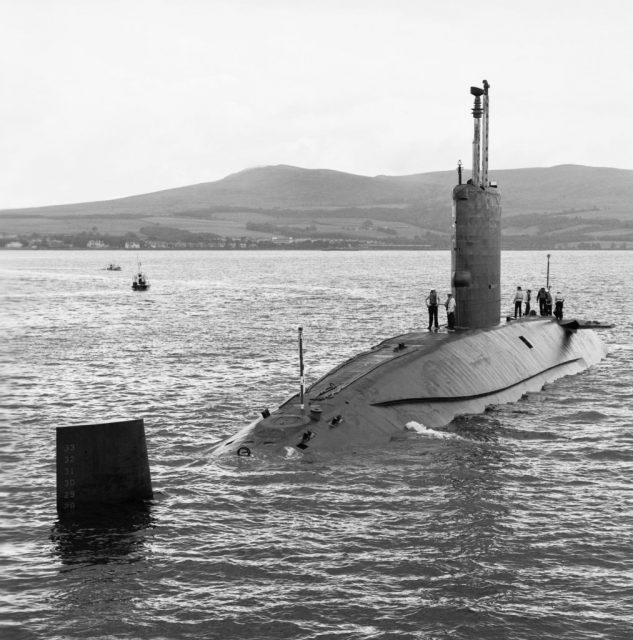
x=430 y=433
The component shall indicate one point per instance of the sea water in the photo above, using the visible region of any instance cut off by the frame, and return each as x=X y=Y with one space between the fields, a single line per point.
x=519 y=526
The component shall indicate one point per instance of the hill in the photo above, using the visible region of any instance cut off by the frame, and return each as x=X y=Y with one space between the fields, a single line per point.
x=566 y=205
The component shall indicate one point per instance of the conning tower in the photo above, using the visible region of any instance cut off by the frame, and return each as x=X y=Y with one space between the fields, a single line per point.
x=476 y=247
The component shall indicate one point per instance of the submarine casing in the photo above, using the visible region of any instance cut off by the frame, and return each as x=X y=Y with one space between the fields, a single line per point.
x=427 y=379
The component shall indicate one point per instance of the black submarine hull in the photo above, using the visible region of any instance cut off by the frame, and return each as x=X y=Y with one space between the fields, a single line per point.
x=424 y=380
x=420 y=380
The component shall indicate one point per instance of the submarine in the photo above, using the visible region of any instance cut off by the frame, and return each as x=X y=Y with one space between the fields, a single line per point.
x=425 y=379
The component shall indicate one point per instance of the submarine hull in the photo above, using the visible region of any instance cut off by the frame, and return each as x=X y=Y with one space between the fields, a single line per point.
x=422 y=378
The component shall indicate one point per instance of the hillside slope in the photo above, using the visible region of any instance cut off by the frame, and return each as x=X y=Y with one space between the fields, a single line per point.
x=281 y=186
x=286 y=201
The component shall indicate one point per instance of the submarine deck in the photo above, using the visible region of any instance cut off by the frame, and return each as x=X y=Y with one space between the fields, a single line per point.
x=426 y=378
x=388 y=350
x=543 y=344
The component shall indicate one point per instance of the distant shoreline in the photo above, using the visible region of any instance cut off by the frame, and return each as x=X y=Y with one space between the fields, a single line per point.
x=298 y=248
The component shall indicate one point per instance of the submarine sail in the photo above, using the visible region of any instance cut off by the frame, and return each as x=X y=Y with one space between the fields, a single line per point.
x=476 y=245
x=426 y=379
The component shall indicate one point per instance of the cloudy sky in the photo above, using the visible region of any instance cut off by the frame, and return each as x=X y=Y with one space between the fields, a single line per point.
x=107 y=98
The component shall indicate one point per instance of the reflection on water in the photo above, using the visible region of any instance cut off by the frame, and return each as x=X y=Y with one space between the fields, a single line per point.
x=112 y=533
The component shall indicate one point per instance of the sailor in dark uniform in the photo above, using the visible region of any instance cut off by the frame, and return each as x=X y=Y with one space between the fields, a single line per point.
x=431 y=303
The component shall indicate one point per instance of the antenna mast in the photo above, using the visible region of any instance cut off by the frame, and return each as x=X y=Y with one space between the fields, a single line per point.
x=477 y=113
x=302 y=384
x=486 y=125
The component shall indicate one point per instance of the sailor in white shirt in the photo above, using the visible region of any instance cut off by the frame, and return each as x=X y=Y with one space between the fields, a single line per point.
x=450 y=310
x=518 y=302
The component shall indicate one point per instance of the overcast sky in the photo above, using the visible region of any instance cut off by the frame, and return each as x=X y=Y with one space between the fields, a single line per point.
x=107 y=98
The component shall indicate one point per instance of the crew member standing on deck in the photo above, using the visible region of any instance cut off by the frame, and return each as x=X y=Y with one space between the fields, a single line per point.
x=528 y=298
x=548 y=302
x=541 y=297
x=558 y=305
x=518 y=302
x=431 y=303
x=450 y=311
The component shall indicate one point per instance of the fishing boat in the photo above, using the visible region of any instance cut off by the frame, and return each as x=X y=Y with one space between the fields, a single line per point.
x=113 y=267
x=140 y=281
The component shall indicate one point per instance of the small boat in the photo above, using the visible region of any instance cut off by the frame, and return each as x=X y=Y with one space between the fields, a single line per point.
x=140 y=281
x=113 y=267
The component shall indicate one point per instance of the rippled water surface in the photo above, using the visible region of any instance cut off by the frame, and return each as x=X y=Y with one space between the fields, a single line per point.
x=518 y=525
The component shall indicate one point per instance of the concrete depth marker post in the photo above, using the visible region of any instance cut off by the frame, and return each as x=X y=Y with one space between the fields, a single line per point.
x=101 y=464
